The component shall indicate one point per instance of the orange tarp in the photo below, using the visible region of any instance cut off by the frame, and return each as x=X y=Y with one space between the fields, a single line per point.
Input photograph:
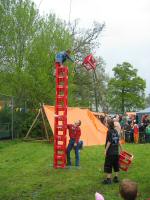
x=99 y=113
x=131 y=113
x=93 y=132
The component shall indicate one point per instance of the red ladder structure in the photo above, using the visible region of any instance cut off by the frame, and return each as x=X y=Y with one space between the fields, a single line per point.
x=60 y=122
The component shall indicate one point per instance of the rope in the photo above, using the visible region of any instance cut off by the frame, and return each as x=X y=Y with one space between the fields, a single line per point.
x=69 y=12
x=40 y=4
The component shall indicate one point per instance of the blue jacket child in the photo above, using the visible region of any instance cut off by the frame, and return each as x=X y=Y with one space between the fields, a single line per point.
x=61 y=57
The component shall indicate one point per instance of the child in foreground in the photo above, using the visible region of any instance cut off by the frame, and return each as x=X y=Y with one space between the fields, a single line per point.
x=98 y=196
x=128 y=189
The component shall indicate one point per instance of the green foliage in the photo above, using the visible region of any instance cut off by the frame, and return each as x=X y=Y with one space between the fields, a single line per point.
x=52 y=37
x=5 y=115
x=18 y=20
x=90 y=90
x=82 y=91
x=29 y=43
x=26 y=70
x=22 y=123
x=88 y=87
x=30 y=167
x=126 y=89
x=147 y=101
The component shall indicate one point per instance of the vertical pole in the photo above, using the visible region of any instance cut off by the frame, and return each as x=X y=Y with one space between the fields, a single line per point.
x=12 y=118
x=69 y=12
x=25 y=106
x=95 y=91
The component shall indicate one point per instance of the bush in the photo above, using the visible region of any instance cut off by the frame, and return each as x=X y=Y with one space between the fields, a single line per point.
x=5 y=115
x=22 y=122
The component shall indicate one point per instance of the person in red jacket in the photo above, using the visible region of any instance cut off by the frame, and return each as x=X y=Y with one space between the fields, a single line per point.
x=74 y=134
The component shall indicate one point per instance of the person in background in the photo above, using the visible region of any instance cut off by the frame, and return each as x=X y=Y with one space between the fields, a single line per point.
x=145 y=120
x=147 y=133
x=122 y=121
x=132 y=132
x=127 y=129
x=102 y=118
x=128 y=189
x=74 y=143
x=117 y=125
x=136 y=132
x=141 y=133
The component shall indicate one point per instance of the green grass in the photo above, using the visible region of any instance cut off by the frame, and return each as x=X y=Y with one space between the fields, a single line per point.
x=26 y=172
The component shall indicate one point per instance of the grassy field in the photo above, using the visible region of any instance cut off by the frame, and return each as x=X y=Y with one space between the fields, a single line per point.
x=26 y=172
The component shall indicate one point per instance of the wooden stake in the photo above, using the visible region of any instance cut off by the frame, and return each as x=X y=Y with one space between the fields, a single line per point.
x=44 y=125
x=33 y=124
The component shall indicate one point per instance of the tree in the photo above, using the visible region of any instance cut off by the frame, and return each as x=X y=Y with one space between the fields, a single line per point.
x=19 y=21
x=26 y=70
x=148 y=100
x=26 y=38
x=126 y=89
x=88 y=87
x=51 y=38
x=19 y=25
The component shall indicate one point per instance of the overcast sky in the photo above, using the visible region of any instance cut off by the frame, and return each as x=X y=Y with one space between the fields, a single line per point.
x=127 y=33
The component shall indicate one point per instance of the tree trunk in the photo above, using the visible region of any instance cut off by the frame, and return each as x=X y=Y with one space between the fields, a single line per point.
x=95 y=91
x=122 y=101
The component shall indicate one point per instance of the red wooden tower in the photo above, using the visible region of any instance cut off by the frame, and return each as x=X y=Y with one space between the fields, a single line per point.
x=61 y=104
x=60 y=126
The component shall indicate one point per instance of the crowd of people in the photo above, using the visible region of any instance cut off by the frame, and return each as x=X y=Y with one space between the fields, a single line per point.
x=130 y=128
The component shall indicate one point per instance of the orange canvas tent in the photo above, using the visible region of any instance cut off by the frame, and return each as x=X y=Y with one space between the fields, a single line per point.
x=131 y=114
x=93 y=132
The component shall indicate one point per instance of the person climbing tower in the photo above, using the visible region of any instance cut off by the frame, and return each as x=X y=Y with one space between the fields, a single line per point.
x=62 y=56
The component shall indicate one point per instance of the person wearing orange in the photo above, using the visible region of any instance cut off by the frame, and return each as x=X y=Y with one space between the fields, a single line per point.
x=136 y=132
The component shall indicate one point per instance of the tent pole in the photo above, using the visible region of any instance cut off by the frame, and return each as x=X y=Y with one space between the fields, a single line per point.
x=44 y=124
x=33 y=124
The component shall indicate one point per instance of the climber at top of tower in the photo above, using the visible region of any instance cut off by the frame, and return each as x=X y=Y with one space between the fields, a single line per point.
x=62 y=56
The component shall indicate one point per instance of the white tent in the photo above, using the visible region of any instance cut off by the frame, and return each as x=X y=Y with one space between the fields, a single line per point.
x=145 y=111
x=139 y=114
